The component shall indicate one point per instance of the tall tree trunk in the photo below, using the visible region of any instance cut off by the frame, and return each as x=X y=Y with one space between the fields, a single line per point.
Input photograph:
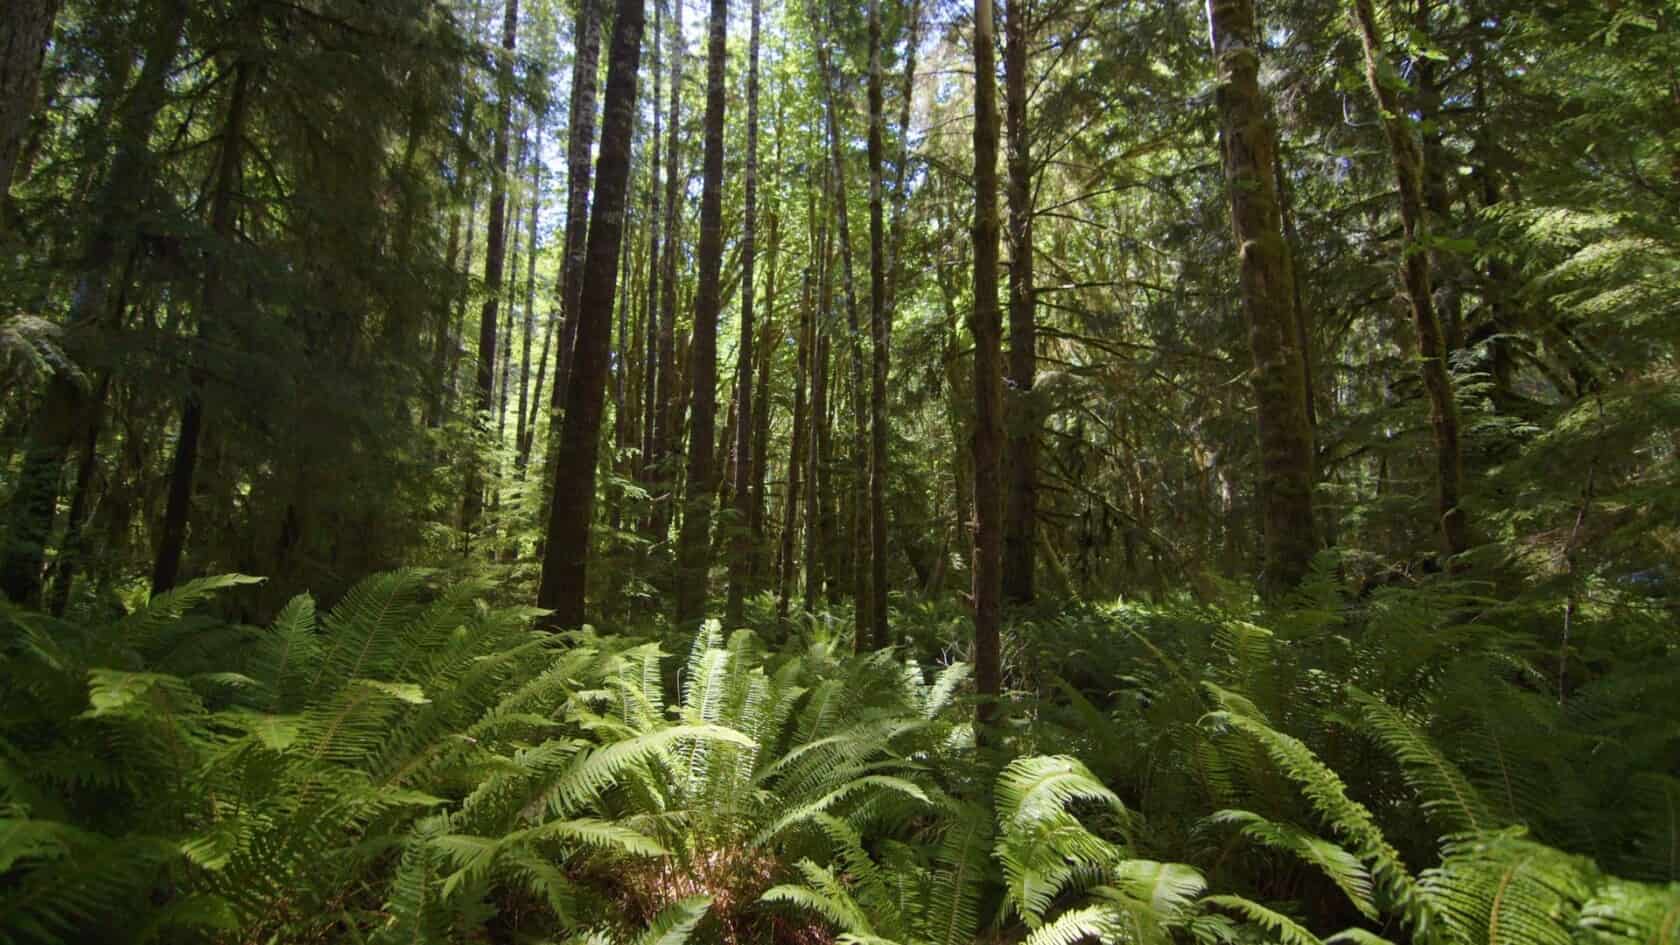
x=901 y=190
x=1020 y=530
x=862 y=627
x=526 y=445
x=650 y=345
x=526 y=415
x=1414 y=273
x=24 y=31
x=796 y=453
x=694 y=541
x=216 y=300
x=580 y=144
x=66 y=409
x=494 y=260
x=458 y=331
x=770 y=340
x=1437 y=195
x=742 y=543
x=669 y=417
x=571 y=512
x=880 y=324
x=1280 y=369
x=818 y=527
x=985 y=324
x=510 y=295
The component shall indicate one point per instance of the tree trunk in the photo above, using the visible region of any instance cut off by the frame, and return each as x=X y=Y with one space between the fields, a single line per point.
x=1414 y=273
x=580 y=144
x=880 y=323
x=1280 y=369
x=571 y=512
x=796 y=454
x=669 y=418
x=216 y=301
x=816 y=482
x=526 y=445
x=985 y=324
x=526 y=415
x=862 y=627
x=1021 y=513
x=650 y=344
x=494 y=260
x=24 y=32
x=1437 y=196
x=511 y=293
x=742 y=542
x=901 y=191
x=770 y=340
x=694 y=541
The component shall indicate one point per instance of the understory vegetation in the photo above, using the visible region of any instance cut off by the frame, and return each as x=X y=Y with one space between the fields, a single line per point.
x=419 y=765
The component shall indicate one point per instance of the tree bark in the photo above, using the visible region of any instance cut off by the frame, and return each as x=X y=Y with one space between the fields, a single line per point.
x=985 y=324
x=650 y=344
x=1414 y=274
x=494 y=260
x=580 y=144
x=526 y=445
x=1020 y=529
x=880 y=323
x=571 y=512
x=770 y=340
x=862 y=628
x=1268 y=293
x=527 y=417
x=818 y=527
x=24 y=31
x=742 y=542
x=694 y=540
x=668 y=417
x=796 y=453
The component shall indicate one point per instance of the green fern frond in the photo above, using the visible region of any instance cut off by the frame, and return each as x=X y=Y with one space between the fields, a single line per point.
x=1328 y=795
x=1087 y=923
x=1340 y=866
x=674 y=924
x=594 y=772
x=1624 y=913
x=1286 y=931
x=1503 y=889
x=1447 y=795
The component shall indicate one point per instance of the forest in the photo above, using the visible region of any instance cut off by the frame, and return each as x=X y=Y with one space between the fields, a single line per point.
x=890 y=472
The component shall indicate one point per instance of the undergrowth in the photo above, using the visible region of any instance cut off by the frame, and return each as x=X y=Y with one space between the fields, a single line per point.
x=418 y=765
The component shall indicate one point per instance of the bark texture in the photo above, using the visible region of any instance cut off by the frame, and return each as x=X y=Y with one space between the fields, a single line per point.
x=742 y=539
x=24 y=30
x=495 y=245
x=880 y=325
x=1269 y=299
x=1020 y=531
x=985 y=324
x=1415 y=277
x=694 y=547
x=571 y=512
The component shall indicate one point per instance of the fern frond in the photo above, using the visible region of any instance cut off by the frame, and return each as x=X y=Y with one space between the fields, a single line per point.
x=1503 y=889
x=1285 y=930
x=1447 y=795
x=1087 y=923
x=674 y=924
x=1340 y=866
